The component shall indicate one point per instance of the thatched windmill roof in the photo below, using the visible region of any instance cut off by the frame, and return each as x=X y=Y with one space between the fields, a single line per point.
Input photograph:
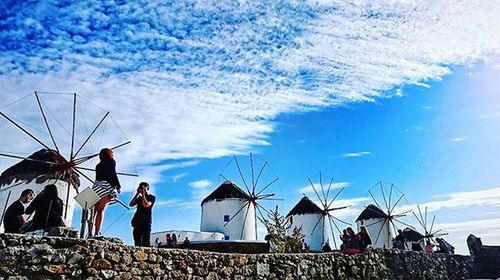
x=305 y=206
x=28 y=170
x=371 y=212
x=412 y=235
x=226 y=190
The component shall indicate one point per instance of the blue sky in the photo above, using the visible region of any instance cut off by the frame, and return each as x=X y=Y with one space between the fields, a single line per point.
x=398 y=91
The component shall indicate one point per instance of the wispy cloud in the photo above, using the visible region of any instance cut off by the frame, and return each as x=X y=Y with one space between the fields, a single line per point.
x=356 y=154
x=179 y=176
x=491 y=115
x=458 y=139
x=415 y=128
x=206 y=80
x=153 y=173
x=486 y=197
x=199 y=190
x=459 y=231
x=200 y=184
x=167 y=203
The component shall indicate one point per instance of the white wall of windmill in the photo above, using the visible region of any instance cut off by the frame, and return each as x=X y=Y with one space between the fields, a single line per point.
x=314 y=239
x=216 y=213
x=16 y=189
x=373 y=226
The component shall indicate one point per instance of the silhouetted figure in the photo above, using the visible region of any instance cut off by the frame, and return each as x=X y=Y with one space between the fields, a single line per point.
x=364 y=239
x=158 y=242
x=343 y=238
x=174 y=240
x=14 y=215
x=399 y=241
x=352 y=244
x=48 y=208
x=326 y=248
x=168 y=239
x=444 y=247
x=186 y=241
x=415 y=246
x=142 y=220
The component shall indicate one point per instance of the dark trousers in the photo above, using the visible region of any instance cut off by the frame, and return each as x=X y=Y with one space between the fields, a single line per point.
x=142 y=235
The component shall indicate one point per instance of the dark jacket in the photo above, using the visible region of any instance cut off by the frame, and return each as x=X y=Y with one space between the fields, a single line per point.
x=48 y=213
x=106 y=171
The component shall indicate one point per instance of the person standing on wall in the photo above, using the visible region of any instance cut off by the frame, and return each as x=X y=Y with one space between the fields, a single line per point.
x=14 y=216
x=141 y=222
x=106 y=186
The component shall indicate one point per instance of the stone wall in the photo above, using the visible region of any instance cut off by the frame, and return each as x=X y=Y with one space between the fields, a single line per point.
x=486 y=258
x=25 y=257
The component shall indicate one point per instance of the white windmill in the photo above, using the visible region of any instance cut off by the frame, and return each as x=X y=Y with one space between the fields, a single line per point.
x=317 y=223
x=233 y=211
x=49 y=165
x=380 y=224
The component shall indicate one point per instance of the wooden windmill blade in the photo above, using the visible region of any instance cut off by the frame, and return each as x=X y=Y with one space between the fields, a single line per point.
x=430 y=232
x=327 y=209
x=58 y=167
x=254 y=193
x=388 y=215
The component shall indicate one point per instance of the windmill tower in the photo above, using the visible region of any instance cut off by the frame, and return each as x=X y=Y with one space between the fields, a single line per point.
x=380 y=224
x=304 y=215
x=317 y=222
x=219 y=207
x=49 y=165
x=233 y=211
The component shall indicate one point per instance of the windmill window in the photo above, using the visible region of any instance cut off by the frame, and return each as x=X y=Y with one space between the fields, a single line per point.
x=226 y=218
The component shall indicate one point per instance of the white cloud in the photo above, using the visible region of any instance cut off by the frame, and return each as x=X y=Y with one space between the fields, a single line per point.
x=179 y=176
x=153 y=173
x=199 y=190
x=167 y=203
x=458 y=139
x=356 y=154
x=200 y=184
x=457 y=200
x=486 y=229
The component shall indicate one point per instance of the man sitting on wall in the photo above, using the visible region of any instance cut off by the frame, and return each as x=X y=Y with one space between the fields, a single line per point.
x=14 y=216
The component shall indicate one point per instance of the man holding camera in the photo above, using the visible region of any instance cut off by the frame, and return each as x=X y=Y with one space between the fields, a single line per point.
x=141 y=222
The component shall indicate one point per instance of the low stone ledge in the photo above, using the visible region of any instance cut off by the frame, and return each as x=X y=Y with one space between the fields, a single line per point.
x=24 y=257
